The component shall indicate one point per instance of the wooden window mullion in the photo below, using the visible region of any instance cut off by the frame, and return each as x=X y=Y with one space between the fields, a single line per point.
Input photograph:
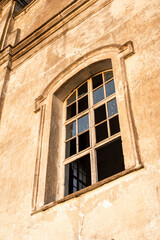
x=94 y=176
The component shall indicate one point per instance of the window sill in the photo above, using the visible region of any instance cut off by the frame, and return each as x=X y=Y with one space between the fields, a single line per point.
x=87 y=189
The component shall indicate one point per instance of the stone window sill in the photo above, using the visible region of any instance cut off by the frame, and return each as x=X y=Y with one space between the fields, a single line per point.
x=87 y=189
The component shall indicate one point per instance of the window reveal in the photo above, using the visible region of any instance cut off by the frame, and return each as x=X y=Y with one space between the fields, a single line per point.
x=92 y=125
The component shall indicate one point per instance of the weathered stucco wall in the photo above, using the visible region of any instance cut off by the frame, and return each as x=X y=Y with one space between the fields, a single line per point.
x=38 y=13
x=127 y=208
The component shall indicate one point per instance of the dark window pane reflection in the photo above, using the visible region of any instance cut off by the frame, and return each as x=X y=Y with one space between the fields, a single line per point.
x=70 y=148
x=71 y=130
x=108 y=75
x=110 y=88
x=82 y=90
x=82 y=178
x=71 y=111
x=97 y=81
x=83 y=104
x=110 y=159
x=114 y=125
x=101 y=132
x=72 y=98
x=83 y=141
x=112 y=107
x=98 y=95
x=100 y=114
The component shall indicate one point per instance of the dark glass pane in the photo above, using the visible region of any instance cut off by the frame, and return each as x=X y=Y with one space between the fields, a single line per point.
x=82 y=90
x=75 y=171
x=101 y=132
x=72 y=98
x=83 y=104
x=71 y=111
x=74 y=189
x=112 y=107
x=110 y=88
x=110 y=159
x=82 y=178
x=97 y=81
x=70 y=148
x=114 y=125
x=108 y=75
x=84 y=141
x=71 y=130
x=98 y=95
x=100 y=114
x=83 y=123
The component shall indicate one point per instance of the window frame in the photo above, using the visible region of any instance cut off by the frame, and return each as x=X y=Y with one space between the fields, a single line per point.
x=94 y=145
x=59 y=87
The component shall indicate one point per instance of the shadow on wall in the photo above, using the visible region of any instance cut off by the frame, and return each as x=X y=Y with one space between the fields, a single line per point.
x=3 y=92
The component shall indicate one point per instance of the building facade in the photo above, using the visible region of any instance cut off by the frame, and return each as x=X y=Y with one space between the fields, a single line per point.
x=79 y=120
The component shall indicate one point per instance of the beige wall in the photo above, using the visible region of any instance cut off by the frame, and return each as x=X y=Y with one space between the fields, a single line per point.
x=38 y=13
x=126 y=208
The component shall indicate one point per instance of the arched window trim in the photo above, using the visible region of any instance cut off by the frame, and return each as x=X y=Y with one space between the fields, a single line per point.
x=118 y=54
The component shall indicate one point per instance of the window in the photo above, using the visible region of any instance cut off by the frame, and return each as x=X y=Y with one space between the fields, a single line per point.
x=93 y=149
x=79 y=143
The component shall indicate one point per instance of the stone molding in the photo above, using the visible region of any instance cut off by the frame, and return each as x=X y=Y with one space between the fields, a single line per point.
x=7 y=25
x=51 y=26
x=4 y=3
x=38 y=158
x=124 y=51
x=6 y=54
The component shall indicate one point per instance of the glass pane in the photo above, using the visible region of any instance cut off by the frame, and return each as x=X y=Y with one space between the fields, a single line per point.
x=98 y=95
x=97 y=81
x=74 y=168
x=71 y=130
x=110 y=159
x=100 y=114
x=70 y=148
x=108 y=75
x=80 y=175
x=74 y=189
x=83 y=123
x=83 y=104
x=84 y=178
x=74 y=183
x=72 y=98
x=101 y=132
x=114 y=125
x=84 y=141
x=75 y=172
x=110 y=88
x=82 y=90
x=71 y=111
x=112 y=107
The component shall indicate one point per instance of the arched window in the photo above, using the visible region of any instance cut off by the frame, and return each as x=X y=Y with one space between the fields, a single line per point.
x=93 y=149
x=86 y=133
